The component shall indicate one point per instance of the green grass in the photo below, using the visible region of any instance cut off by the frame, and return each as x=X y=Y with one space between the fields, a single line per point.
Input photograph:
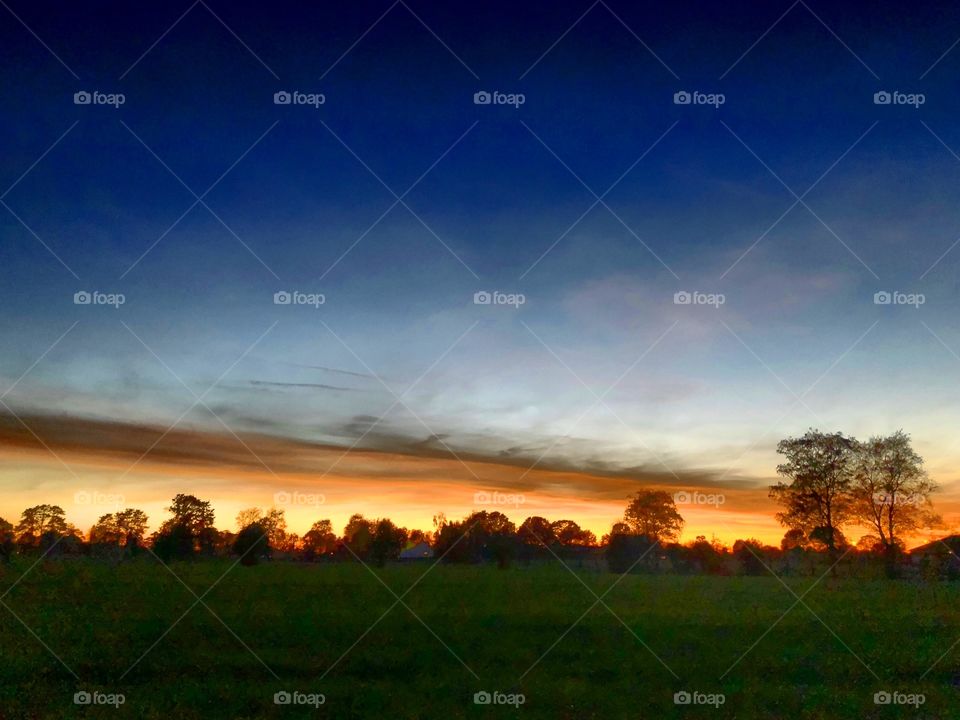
x=300 y=619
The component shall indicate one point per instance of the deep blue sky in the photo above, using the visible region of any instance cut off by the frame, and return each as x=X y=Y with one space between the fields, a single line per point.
x=797 y=304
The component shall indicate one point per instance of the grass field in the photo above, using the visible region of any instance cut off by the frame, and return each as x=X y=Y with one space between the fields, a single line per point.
x=310 y=626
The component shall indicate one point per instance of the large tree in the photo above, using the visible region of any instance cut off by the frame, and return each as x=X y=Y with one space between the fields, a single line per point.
x=319 y=539
x=272 y=522
x=536 y=531
x=358 y=534
x=388 y=540
x=190 y=529
x=125 y=528
x=192 y=512
x=39 y=521
x=653 y=513
x=480 y=536
x=891 y=491
x=132 y=523
x=816 y=499
x=569 y=533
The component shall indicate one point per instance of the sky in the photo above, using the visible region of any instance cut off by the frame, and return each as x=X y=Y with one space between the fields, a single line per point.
x=586 y=201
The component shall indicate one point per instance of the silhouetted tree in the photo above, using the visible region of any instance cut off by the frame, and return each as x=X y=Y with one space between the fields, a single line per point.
x=119 y=533
x=628 y=551
x=891 y=491
x=480 y=536
x=174 y=541
x=252 y=543
x=357 y=535
x=750 y=555
x=794 y=538
x=706 y=556
x=7 y=545
x=816 y=499
x=132 y=525
x=319 y=540
x=568 y=533
x=273 y=522
x=194 y=517
x=653 y=513
x=387 y=541
x=536 y=531
x=41 y=521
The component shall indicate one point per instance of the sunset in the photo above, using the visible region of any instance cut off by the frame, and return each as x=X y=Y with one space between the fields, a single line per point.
x=625 y=329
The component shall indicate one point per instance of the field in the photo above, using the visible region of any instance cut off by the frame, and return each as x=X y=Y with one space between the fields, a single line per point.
x=307 y=628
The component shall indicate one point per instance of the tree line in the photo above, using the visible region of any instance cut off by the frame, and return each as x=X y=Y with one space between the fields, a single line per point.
x=830 y=482
x=833 y=481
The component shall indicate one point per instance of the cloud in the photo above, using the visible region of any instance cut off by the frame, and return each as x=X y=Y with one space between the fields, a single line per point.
x=316 y=386
x=385 y=454
x=337 y=371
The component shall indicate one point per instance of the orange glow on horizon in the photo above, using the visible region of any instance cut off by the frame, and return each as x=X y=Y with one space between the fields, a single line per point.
x=329 y=484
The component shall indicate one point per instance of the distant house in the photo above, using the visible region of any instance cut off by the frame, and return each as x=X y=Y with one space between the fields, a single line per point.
x=944 y=546
x=420 y=551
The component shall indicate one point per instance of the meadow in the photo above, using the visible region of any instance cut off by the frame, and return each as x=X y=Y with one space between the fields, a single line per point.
x=460 y=630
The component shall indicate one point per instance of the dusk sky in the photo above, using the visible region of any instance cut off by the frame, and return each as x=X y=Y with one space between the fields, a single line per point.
x=399 y=198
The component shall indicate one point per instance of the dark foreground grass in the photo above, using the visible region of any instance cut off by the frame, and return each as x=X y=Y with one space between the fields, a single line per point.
x=330 y=629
